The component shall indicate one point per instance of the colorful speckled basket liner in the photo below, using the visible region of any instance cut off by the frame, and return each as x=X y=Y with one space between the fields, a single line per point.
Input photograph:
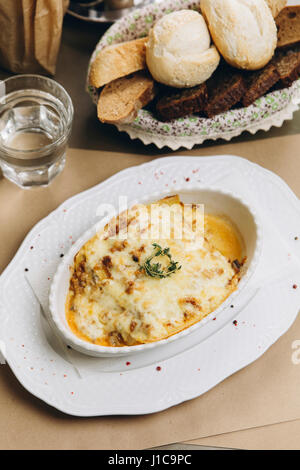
x=270 y=110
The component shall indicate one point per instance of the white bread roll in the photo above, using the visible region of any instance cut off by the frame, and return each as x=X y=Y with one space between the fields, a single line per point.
x=244 y=31
x=276 y=6
x=178 y=51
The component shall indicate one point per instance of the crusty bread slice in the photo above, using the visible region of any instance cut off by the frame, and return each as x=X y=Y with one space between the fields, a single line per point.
x=120 y=100
x=180 y=103
x=276 y=6
x=259 y=83
x=225 y=89
x=287 y=63
x=288 y=26
x=117 y=61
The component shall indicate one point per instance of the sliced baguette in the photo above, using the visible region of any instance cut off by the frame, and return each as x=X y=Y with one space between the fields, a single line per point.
x=288 y=26
x=120 y=100
x=117 y=61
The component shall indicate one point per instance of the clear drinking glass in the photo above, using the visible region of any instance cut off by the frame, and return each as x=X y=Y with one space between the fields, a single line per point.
x=36 y=115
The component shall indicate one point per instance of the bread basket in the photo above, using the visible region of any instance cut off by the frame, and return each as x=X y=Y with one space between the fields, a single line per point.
x=271 y=110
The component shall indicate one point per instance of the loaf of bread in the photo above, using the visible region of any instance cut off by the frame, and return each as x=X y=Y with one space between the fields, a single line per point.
x=117 y=61
x=288 y=26
x=120 y=100
x=276 y=6
x=179 y=51
x=244 y=31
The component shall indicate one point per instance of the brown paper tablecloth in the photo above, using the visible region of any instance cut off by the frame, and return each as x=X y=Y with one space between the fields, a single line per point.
x=282 y=436
x=258 y=395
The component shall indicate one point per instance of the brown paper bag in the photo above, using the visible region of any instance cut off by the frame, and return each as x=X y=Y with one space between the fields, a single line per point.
x=30 y=34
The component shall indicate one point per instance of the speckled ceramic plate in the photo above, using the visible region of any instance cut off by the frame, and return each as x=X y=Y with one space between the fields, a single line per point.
x=156 y=379
x=271 y=110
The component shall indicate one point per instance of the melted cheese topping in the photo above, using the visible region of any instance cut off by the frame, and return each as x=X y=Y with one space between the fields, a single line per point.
x=113 y=302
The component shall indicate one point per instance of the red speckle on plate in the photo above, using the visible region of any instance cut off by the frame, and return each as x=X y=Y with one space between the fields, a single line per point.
x=72 y=393
x=23 y=346
x=187 y=179
x=128 y=363
x=158 y=368
x=295 y=286
x=65 y=375
x=214 y=319
x=140 y=182
x=31 y=247
x=235 y=322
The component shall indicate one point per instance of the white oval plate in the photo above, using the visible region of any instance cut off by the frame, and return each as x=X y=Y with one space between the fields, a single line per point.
x=190 y=366
x=270 y=110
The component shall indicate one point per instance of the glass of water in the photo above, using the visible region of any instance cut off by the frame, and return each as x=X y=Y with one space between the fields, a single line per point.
x=36 y=115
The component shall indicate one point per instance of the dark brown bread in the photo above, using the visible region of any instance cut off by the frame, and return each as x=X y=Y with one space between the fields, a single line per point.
x=288 y=26
x=181 y=103
x=287 y=63
x=258 y=83
x=225 y=89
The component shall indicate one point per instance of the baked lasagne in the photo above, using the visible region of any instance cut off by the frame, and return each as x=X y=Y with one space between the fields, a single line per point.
x=135 y=283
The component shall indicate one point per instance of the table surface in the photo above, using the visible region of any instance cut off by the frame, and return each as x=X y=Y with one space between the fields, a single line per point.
x=78 y=41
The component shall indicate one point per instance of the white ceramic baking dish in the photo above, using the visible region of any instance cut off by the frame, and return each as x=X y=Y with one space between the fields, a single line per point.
x=215 y=201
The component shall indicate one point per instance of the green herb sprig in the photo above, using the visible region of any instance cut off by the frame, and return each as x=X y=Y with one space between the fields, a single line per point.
x=155 y=269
